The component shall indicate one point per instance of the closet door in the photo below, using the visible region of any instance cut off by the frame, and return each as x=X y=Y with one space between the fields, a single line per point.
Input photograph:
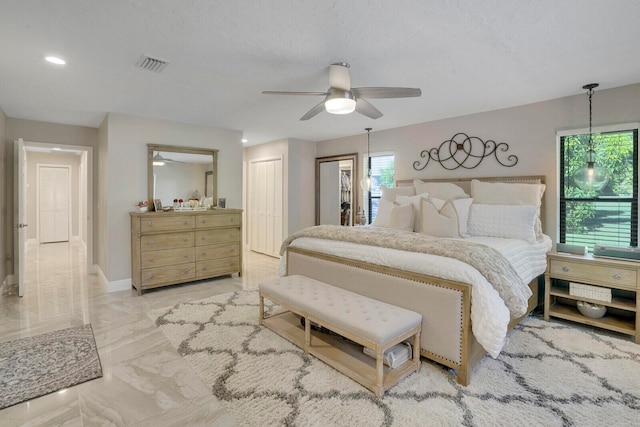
x=265 y=235
x=54 y=204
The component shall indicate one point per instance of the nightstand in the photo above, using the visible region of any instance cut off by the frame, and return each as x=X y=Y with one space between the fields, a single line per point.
x=621 y=277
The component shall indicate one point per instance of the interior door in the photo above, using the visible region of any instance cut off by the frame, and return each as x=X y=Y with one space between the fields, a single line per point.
x=19 y=211
x=54 y=204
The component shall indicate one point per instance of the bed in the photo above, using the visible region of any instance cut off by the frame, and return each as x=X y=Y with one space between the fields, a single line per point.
x=459 y=283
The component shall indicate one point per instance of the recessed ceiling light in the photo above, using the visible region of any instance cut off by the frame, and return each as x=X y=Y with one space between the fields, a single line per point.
x=55 y=60
x=244 y=140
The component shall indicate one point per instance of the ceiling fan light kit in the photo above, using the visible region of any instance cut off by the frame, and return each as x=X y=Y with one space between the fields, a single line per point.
x=341 y=98
x=339 y=102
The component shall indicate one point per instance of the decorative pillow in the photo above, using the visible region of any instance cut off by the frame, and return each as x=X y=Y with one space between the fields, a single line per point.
x=448 y=221
x=383 y=215
x=390 y=194
x=441 y=190
x=514 y=222
x=402 y=217
x=415 y=202
x=391 y=215
x=503 y=193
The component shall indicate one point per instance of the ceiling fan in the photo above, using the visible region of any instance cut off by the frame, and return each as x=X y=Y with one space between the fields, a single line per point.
x=341 y=98
x=159 y=160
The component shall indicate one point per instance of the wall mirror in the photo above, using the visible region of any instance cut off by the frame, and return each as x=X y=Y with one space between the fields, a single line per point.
x=176 y=172
x=336 y=178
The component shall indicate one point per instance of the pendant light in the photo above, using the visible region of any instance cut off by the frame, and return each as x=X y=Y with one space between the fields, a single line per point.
x=591 y=177
x=366 y=181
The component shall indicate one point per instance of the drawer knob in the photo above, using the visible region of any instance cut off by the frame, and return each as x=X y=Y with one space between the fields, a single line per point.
x=617 y=276
x=565 y=269
x=185 y=239
x=186 y=270
x=152 y=260
x=150 y=223
x=151 y=242
x=203 y=221
x=152 y=276
x=204 y=254
x=186 y=222
x=203 y=238
x=186 y=255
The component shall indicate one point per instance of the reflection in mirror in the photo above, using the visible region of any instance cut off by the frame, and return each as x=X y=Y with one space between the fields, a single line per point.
x=182 y=173
x=335 y=192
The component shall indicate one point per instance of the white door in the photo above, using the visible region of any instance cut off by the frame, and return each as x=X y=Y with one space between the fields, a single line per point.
x=19 y=211
x=53 y=199
x=265 y=206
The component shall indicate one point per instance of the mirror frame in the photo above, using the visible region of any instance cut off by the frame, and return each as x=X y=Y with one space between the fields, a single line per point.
x=355 y=192
x=179 y=149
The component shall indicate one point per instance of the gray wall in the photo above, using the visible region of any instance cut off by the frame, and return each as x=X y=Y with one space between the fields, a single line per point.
x=123 y=178
x=530 y=130
x=42 y=132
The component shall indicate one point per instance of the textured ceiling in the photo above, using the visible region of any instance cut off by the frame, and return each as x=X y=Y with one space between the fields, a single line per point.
x=466 y=56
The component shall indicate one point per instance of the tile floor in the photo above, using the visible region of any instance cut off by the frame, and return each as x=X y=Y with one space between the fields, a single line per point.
x=145 y=381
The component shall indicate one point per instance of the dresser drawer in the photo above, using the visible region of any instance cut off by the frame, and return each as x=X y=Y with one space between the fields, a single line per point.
x=153 y=242
x=225 y=250
x=210 y=237
x=167 y=257
x=171 y=273
x=218 y=267
x=169 y=223
x=217 y=220
x=593 y=273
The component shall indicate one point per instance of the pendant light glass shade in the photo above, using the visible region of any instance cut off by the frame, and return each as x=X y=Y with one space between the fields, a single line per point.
x=591 y=177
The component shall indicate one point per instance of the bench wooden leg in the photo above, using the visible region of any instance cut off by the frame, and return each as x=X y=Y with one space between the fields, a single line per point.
x=416 y=351
x=307 y=334
x=379 y=372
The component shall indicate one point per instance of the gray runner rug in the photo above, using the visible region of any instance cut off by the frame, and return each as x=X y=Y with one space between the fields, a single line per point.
x=548 y=374
x=35 y=366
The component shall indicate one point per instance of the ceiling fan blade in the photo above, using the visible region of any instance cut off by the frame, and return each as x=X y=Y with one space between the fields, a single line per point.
x=386 y=92
x=281 y=92
x=339 y=77
x=314 y=111
x=366 y=109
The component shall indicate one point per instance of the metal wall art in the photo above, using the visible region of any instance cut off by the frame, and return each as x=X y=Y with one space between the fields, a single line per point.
x=465 y=151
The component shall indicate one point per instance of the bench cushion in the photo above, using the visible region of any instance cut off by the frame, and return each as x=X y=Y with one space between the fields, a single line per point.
x=365 y=317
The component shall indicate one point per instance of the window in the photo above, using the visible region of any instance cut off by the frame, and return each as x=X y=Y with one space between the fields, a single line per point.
x=381 y=174
x=607 y=216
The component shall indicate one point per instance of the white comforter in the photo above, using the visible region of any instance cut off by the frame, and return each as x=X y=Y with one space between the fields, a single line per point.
x=489 y=315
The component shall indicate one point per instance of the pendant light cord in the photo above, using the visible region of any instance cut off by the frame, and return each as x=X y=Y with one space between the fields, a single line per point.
x=368 y=151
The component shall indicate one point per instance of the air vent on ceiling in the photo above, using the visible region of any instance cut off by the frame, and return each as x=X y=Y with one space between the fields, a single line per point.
x=152 y=64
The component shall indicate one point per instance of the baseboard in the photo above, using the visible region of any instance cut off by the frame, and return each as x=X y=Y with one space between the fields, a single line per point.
x=119 y=285
x=116 y=285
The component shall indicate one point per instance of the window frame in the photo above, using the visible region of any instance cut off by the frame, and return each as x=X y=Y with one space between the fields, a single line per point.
x=561 y=200
x=368 y=197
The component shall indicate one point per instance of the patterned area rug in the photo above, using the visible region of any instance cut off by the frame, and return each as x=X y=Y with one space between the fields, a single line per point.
x=548 y=374
x=35 y=366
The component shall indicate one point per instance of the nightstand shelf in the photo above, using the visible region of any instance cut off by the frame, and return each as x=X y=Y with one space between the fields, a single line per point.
x=622 y=277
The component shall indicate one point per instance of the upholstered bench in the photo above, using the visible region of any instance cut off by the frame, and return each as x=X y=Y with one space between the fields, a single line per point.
x=362 y=320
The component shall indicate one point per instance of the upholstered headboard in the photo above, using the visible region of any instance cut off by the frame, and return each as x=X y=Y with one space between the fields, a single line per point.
x=465 y=183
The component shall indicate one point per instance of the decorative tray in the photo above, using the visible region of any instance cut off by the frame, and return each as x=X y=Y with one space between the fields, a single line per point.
x=185 y=209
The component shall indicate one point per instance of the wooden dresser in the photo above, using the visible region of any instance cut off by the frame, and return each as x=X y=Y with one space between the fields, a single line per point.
x=177 y=247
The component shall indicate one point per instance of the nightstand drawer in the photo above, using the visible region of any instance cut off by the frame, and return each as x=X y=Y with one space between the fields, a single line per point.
x=592 y=273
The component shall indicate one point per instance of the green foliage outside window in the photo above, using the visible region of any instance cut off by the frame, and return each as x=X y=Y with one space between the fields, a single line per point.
x=588 y=211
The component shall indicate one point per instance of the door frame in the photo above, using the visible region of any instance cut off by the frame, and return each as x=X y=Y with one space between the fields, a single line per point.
x=89 y=170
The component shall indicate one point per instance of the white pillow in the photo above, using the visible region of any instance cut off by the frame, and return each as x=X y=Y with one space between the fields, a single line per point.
x=503 y=193
x=383 y=215
x=514 y=222
x=417 y=209
x=402 y=217
x=390 y=194
x=391 y=215
x=441 y=190
x=448 y=221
